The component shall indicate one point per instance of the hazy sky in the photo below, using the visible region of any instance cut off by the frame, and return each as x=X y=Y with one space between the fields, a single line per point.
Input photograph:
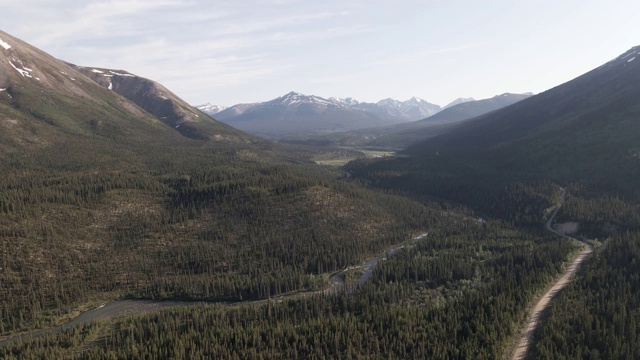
x=227 y=52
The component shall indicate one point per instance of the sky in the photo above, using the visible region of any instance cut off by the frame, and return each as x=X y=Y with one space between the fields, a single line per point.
x=229 y=52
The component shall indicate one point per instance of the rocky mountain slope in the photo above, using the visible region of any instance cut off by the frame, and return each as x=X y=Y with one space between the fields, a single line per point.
x=45 y=101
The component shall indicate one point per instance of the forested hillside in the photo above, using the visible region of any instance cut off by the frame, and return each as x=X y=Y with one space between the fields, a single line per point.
x=597 y=317
x=438 y=298
x=507 y=165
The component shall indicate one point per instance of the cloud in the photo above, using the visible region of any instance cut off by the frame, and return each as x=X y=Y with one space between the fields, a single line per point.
x=256 y=25
x=193 y=44
x=415 y=55
x=67 y=23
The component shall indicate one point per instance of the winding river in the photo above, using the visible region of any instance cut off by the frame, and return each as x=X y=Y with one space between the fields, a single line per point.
x=136 y=307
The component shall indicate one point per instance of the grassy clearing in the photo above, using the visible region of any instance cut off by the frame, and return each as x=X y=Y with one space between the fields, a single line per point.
x=339 y=158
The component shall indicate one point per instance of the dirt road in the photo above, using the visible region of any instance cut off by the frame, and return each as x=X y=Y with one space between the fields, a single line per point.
x=521 y=350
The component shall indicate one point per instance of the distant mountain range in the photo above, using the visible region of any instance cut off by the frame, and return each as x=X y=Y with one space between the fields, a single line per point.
x=399 y=136
x=296 y=114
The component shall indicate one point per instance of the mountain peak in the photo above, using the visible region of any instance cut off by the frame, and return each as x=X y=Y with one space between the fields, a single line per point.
x=292 y=94
x=629 y=54
x=349 y=101
x=458 y=101
x=295 y=99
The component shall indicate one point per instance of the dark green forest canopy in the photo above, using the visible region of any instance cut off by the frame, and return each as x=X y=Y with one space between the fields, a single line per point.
x=438 y=298
x=194 y=220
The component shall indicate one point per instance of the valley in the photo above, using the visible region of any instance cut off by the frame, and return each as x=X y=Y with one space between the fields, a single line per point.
x=133 y=225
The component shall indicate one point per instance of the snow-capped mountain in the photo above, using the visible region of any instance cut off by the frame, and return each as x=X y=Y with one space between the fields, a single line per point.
x=210 y=109
x=349 y=102
x=412 y=109
x=296 y=114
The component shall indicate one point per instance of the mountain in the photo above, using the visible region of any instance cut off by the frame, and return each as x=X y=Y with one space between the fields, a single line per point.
x=412 y=109
x=457 y=101
x=399 y=136
x=161 y=103
x=587 y=127
x=296 y=114
x=582 y=133
x=46 y=101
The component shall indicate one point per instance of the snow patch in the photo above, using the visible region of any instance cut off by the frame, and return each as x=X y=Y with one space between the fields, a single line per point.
x=110 y=86
x=23 y=72
x=97 y=71
x=630 y=60
x=120 y=74
x=5 y=89
x=5 y=45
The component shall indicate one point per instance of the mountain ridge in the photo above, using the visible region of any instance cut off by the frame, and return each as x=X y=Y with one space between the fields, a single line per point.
x=294 y=114
x=581 y=133
x=162 y=103
x=51 y=99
